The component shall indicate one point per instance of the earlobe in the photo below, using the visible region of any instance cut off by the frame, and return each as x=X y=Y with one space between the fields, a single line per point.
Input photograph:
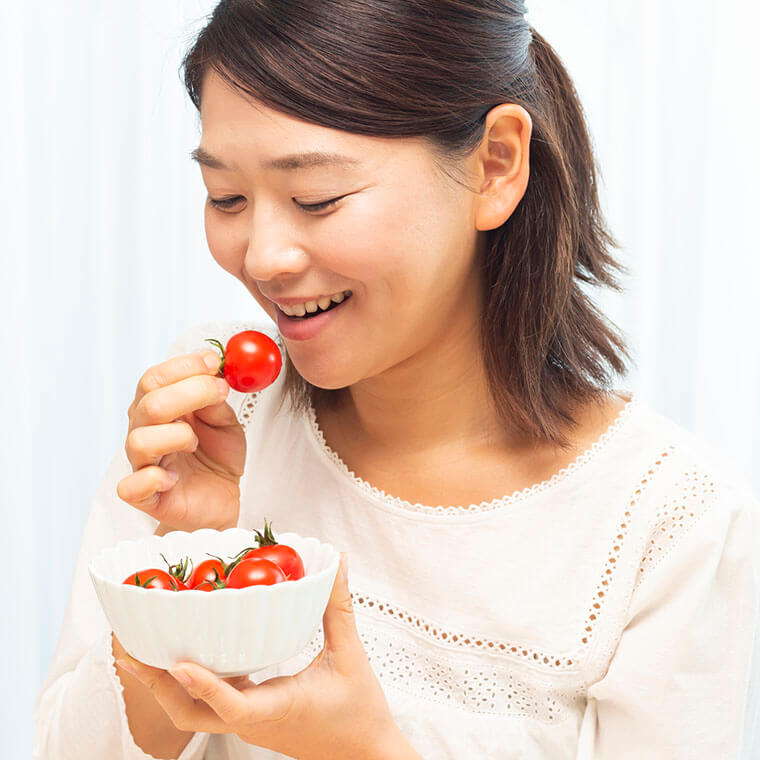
x=503 y=164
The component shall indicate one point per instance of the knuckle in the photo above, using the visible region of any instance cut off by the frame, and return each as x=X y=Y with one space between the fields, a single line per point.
x=207 y=692
x=153 y=406
x=135 y=440
x=152 y=682
x=147 y=383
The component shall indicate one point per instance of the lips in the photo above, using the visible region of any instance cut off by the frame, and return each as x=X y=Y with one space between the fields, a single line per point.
x=304 y=328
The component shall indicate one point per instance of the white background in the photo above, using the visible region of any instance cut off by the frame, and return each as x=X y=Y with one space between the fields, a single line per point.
x=104 y=259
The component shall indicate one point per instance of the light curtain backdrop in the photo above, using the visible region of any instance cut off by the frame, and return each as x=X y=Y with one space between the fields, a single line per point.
x=104 y=259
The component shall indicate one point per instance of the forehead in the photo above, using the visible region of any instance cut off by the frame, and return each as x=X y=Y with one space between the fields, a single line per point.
x=234 y=124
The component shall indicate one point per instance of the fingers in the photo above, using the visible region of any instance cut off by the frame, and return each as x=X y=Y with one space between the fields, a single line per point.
x=147 y=445
x=186 y=713
x=238 y=707
x=142 y=489
x=167 y=404
x=177 y=368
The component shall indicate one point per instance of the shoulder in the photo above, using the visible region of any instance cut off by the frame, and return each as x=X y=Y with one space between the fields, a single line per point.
x=695 y=490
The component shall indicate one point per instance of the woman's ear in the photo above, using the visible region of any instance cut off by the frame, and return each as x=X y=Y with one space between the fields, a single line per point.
x=501 y=164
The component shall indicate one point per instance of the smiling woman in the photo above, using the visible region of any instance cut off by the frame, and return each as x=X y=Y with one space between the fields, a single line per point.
x=542 y=566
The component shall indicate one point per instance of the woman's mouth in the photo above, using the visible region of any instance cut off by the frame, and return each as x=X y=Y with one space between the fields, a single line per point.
x=310 y=309
x=307 y=320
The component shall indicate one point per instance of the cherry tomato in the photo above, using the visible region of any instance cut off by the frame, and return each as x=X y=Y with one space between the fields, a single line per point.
x=208 y=570
x=254 y=572
x=251 y=361
x=281 y=554
x=286 y=557
x=155 y=578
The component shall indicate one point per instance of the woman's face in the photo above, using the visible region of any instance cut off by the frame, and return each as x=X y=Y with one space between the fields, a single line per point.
x=401 y=238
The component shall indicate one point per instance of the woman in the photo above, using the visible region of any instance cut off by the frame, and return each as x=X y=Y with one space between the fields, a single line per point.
x=541 y=566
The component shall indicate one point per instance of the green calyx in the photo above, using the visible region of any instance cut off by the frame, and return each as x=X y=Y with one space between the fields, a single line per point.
x=265 y=539
x=218 y=345
x=268 y=538
x=180 y=571
x=143 y=584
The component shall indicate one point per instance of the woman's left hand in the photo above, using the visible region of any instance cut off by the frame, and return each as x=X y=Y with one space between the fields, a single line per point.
x=333 y=708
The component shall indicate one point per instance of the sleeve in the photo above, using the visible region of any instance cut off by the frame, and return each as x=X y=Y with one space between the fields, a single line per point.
x=80 y=705
x=683 y=680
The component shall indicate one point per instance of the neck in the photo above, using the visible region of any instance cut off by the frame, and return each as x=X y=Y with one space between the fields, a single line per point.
x=437 y=396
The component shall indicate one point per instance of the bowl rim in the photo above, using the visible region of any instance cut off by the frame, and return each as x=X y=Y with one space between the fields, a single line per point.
x=307 y=580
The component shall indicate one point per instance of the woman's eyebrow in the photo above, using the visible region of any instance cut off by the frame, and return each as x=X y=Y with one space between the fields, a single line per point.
x=292 y=161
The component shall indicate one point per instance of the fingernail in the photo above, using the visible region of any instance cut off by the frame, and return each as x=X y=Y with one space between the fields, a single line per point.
x=212 y=361
x=172 y=475
x=124 y=665
x=182 y=676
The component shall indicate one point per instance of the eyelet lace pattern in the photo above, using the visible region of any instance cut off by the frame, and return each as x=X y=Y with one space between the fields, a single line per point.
x=435 y=662
x=498 y=503
x=476 y=673
x=459 y=682
x=675 y=517
x=246 y=409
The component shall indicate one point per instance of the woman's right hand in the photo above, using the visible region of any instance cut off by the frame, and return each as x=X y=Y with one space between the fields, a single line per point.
x=180 y=421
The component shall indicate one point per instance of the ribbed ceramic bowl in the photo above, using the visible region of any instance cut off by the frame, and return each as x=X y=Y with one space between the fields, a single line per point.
x=229 y=631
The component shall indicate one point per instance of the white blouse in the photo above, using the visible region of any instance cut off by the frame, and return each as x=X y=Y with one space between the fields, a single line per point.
x=609 y=613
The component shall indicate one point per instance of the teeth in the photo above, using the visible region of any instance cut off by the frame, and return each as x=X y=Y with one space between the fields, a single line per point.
x=299 y=310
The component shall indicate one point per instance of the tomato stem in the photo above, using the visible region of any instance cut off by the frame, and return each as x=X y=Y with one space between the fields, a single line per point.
x=180 y=570
x=215 y=342
x=268 y=538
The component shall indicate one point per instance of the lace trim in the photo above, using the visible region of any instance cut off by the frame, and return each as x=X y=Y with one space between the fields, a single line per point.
x=596 y=607
x=246 y=409
x=472 y=687
x=381 y=609
x=675 y=518
x=581 y=461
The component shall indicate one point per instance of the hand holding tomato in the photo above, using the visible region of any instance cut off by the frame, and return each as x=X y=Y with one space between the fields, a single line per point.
x=180 y=422
x=335 y=707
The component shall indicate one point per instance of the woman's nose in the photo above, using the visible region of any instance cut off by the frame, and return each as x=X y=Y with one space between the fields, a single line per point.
x=273 y=250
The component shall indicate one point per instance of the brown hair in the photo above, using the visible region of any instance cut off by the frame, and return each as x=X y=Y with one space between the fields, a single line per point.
x=434 y=68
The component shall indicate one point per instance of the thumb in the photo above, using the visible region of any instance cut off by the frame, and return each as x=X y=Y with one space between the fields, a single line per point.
x=338 y=622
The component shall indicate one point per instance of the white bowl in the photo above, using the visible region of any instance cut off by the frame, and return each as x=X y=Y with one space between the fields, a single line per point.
x=229 y=631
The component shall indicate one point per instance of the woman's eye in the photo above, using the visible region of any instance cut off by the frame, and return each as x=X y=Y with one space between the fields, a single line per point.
x=316 y=207
x=225 y=203
x=312 y=208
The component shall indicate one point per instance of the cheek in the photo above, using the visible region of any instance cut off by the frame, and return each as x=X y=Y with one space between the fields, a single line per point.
x=226 y=242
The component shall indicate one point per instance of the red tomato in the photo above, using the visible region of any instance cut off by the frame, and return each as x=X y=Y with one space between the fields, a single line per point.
x=251 y=361
x=155 y=578
x=285 y=556
x=208 y=570
x=268 y=548
x=254 y=572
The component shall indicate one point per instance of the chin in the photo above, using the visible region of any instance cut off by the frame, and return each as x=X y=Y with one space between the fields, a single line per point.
x=326 y=375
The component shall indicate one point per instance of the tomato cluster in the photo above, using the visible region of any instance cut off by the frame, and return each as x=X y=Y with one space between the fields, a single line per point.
x=266 y=563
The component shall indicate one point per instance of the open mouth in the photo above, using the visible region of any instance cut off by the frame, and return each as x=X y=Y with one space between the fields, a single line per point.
x=310 y=315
